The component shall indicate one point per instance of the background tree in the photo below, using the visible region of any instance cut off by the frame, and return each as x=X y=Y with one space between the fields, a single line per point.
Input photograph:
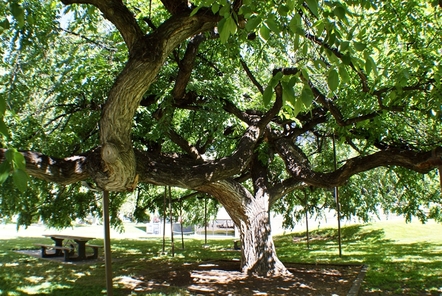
x=239 y=100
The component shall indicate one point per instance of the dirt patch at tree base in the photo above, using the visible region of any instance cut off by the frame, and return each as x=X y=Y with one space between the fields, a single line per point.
x=224 y=278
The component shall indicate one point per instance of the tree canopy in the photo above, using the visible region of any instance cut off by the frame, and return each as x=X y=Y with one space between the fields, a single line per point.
x=243 y=100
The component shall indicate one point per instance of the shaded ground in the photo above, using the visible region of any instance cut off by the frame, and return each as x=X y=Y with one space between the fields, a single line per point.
x=224 y=278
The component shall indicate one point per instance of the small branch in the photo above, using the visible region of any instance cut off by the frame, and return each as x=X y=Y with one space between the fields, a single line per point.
x=336 y=113
x=118 y=14
x=339 y=55
x=150 y=23
x=89 y=40
x=251 y=76
x=184 y=144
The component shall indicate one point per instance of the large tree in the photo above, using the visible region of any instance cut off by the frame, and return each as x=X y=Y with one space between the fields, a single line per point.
x=237 y=99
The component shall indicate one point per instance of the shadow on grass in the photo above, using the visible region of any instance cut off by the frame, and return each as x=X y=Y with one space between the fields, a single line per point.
x=394 y=268
x=21 y=274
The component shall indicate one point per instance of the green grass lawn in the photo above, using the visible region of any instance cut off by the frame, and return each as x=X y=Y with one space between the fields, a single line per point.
x=403 y=259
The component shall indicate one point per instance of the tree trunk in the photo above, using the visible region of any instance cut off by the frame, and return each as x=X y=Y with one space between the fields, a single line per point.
x=251 y=215
x=258 y=253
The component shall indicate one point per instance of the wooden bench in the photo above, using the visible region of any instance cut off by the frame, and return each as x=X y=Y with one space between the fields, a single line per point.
x=66 y=251
x=95 y=248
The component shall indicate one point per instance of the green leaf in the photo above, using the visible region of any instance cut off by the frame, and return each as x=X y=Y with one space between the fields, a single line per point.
x=230 y=25
x=5 y=168
x=298 y=107
x=293 y=80
x=20 y=179
x=305 y=48
x=295 y=25
x=264 y=32
x=215 y=8
x=288 y=93
x=346 y=59
x=2 y=106
x=319 y=64
x=275 y=79
x=344 y=45
x=320 y=27
x=290 y=4
x=283 y=10
x=305 y=74
x=370 y=65
x=5 y=24
x=359 y=46
x=343 y=73
x=18 y=13
x=225 y=11
x=307 y=96
x=9 y=155
x=333 y=79
x=267 y=95
x=224 y=30
x=19 y=161
x=313 y=5
x=3 y=127
x=296 y=42
x=273 y=26
x=339 y=12
x=195 y=10
x=253 y=22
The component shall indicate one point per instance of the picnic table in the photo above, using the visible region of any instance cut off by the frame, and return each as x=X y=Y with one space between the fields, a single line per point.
x=73 y=248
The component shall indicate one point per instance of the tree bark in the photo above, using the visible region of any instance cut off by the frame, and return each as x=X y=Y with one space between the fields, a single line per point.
x=258 y=253
x=251 y=215
x=147 y=55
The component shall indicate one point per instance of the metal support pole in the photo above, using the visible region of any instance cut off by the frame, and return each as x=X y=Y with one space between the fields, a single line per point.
x=440 y=176
x=205 y=221
x=181 y=224
x=171 y=223
x=306 y=226
x=107 y=246
x=164 y=219
x=338 y=205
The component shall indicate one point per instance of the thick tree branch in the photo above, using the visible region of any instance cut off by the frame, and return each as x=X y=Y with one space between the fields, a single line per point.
x=145 y=61
x=299 y=168
x=59 y=170
x=186 y=66
x=234 y=110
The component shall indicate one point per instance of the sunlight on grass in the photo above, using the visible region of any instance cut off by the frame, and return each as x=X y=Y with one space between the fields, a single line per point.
x=411 y=259
x=43 y=288
x=404 y=259
x=34 y=279
x=411 y=232
x=132 y=251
